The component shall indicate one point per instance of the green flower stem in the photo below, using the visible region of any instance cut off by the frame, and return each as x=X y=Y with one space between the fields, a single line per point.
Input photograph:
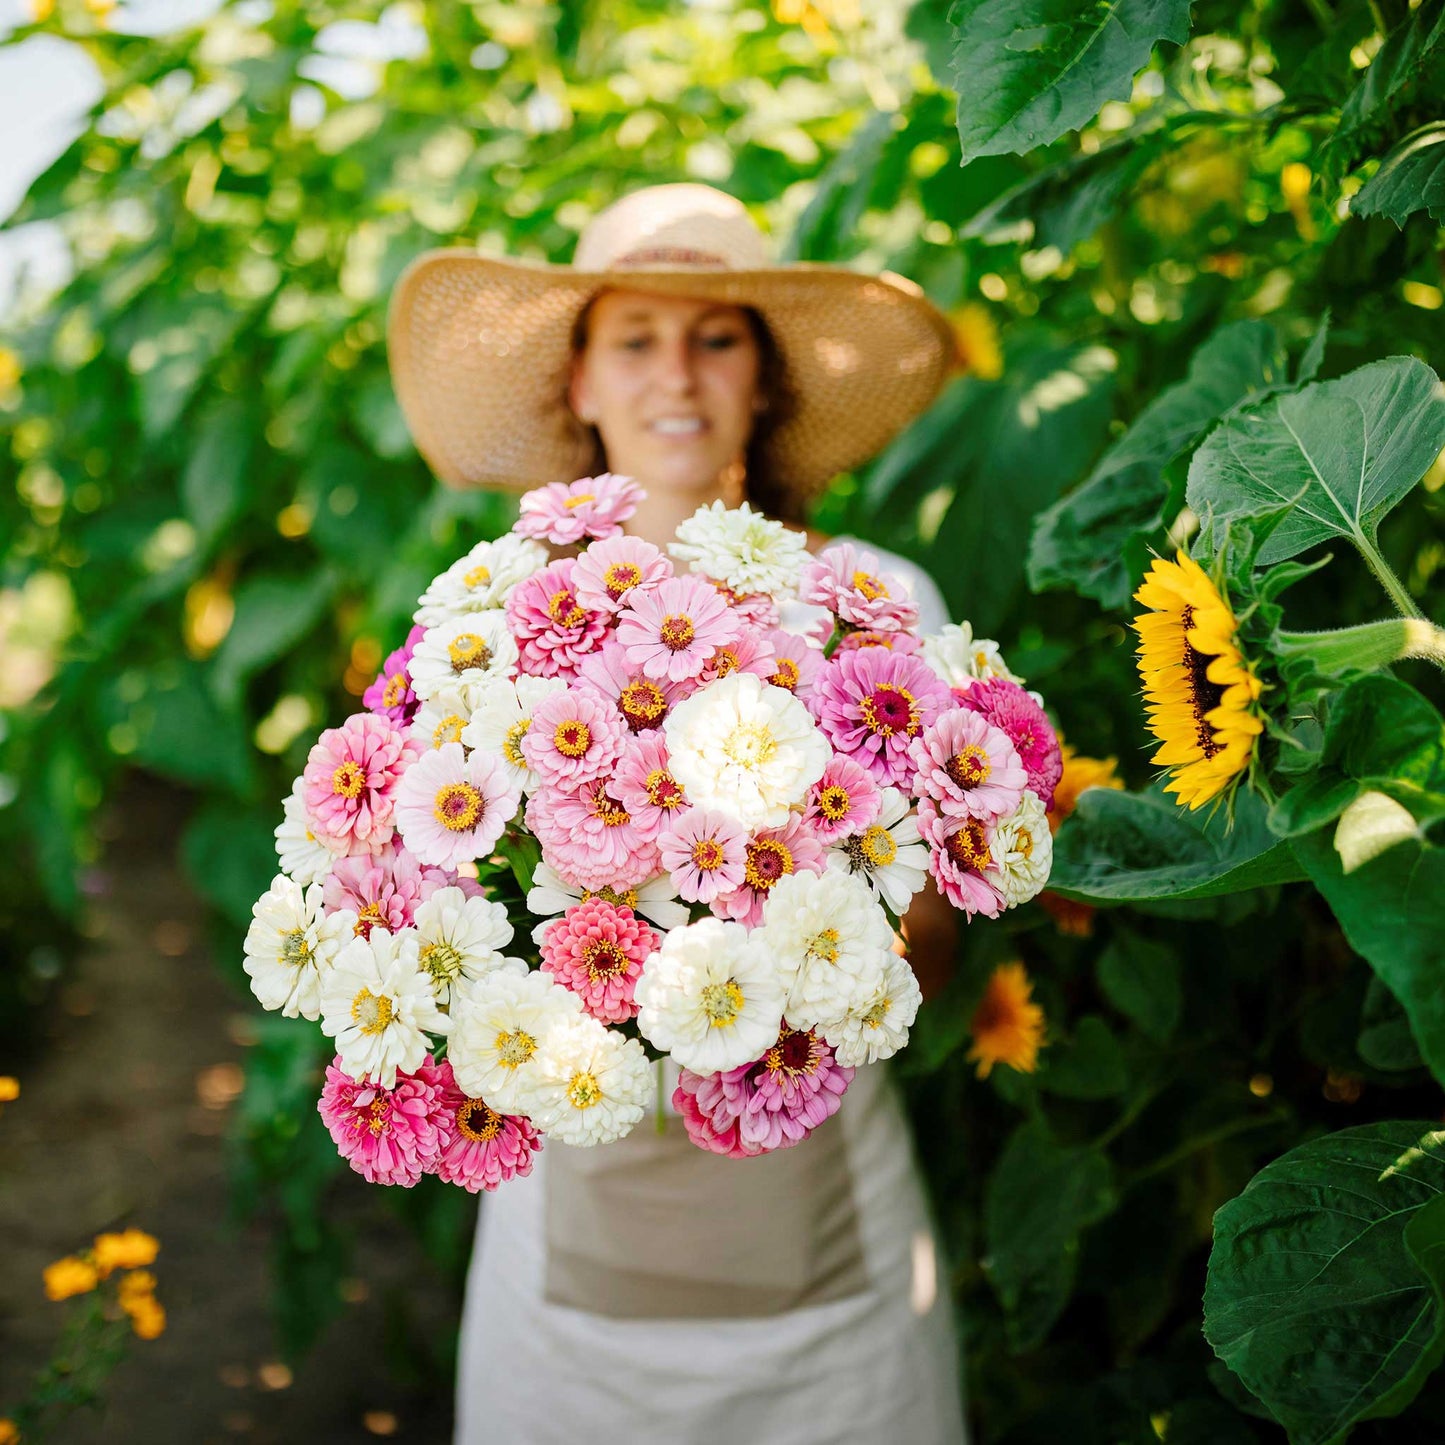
x=1370 y=645
x=1385 y=575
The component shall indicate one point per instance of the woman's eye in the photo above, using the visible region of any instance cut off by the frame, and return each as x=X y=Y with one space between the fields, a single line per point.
x=722 y=341
x=634 y=343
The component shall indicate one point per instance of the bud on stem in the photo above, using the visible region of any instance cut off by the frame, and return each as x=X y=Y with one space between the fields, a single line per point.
x=1369 y=646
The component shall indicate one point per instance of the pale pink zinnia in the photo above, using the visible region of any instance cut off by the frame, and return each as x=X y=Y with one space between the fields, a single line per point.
x=553 y=630
x=610 y=574
x=796 y=663
x=574 y=737
x=1009 y=707
x=350 y=782
x=705 y=853
x=597 y=949
x=845 y=579
x=566 y=512
x=382 y=889
x=672 y=631
x=451 y=806
x=391 y=694
x=870 y=637
x=960 y=858
x=773 y=1103
x=756 y=609
x=643 y=701
x=770 y=854
x=871 y=705
x=750 y=651
x=644 y=785
x=389 y=1136
x=968 y=766
x=844 y=800
x=482 y=1148
x=589 y=838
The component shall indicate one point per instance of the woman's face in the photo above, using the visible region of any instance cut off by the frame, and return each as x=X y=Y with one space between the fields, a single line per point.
x=670 y=383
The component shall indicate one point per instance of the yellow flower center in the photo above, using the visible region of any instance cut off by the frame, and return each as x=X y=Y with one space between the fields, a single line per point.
x=749 y=745
x=603 y=959
x=707 y=854
x=448 y=730
x=512 y=743
x=466 y=650
x=787 y=674
x=824 y=945
x=572 y=738
x=621 y=577
x=663 y=790
x=625 y=899
x=869 y=586
x=458 y=806
x=968 y=847
x=1024 y=843
x=767 y=861
x=795 y=1054
x=368 y=917
x=478 y=576
x=348 y=780
x=969 y=767
x=395 y=690
x=295 y=951
x=889 y=709
x=833 y=802
x=372 y=1013
x=877 y=846
x=722 y=1003
x=441 y=960
x=583 y=1090
x=677 y=631
x=515 y=1048
x=580 y=500
x=641 y=702
x=609 y=810
x=875 y=1015
x=478 y=1121
x=562 y=608
x=724 y=661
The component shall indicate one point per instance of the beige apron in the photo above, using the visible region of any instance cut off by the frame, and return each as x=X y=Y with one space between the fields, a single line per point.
x=652 y=1227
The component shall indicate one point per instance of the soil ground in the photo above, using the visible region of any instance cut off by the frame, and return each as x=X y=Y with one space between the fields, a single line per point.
x=121 y=1120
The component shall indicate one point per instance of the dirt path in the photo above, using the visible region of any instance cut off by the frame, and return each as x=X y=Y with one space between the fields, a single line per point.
x=121 y=1120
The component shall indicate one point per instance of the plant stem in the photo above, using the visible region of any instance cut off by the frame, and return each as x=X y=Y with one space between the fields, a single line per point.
x=1394 y=588
x=1242 y=1125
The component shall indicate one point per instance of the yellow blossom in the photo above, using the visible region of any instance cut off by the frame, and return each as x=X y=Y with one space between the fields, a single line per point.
x=1080 y=774
x=130 y=1249
x=9 y=1435
x=69 y=1276
x=148 y=1318
x=1008 y=1026
x=976 y=338
x=137 y=1287
x=9 y=1089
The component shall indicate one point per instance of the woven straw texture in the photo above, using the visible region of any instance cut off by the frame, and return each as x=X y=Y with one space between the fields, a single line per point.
x=480 y=352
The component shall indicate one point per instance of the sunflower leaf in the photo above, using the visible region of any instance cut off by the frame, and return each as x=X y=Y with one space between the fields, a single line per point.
x=1339 y=453
x=1410 y=178
x=1337 y=1243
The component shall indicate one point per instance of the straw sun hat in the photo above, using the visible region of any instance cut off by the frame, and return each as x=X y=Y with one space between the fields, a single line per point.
x=480 y=348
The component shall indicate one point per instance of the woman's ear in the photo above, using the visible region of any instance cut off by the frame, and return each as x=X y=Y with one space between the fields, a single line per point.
x=579 y=394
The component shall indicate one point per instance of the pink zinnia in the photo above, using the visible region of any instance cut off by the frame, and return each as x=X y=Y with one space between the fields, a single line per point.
x=350 y=782
x=610 y=574
x=756 y=609
x=482 y=1148
x=642 y=701
x=845 y=579
x=960 y=858
x=705 y=853
x=968 y=766
x=389 y=1136
x=589 y=838
x=773 y=1103
x=566 y=512
x=872 y=703
x=554 y=631
x=391 y=694
x=452 y=806
x=672 y=631
x=844 y=800
x=1009 y=707
x=383 y=889
x=866 y=637
x=750 y=651
x=644 y=785
x=574 y=737
x=796 y=663
x=768 y=855
x=597 y=949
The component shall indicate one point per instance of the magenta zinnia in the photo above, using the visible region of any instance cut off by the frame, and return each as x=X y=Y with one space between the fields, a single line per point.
x=1009 y=707
x=968 y=766
x=389 y=1136
x=391 y=694
x=481 y=1147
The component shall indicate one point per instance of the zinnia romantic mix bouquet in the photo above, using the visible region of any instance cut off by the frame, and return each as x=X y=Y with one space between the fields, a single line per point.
x=601 y=811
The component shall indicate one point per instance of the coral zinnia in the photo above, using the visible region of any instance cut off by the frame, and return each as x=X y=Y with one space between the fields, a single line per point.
x=1198 y=689
x=1008 y=1026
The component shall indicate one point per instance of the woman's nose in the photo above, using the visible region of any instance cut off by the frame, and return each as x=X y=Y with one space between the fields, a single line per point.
x=676 y=367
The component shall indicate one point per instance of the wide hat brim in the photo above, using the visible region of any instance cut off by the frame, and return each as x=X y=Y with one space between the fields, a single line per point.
x=480 y=351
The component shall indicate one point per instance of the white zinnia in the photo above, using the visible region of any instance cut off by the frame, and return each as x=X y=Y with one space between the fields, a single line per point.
x=302 y=854
x=877 y=1027
x=712 y=996
x=465 y=653
x=291 y=944
x=502 y=718
x=593 y=1083
x=442 y=718
x=890 y=854
x=460 y=939
x=742 y=549
x=748 y=748
x=496 y=1029
x=1023 y=851
x=377 y=1003
x=961 y=659
x=480 y=580
x=654 y=900
x=828 y=933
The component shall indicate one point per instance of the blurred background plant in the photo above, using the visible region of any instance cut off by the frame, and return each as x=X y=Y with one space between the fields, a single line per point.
x=215 y=527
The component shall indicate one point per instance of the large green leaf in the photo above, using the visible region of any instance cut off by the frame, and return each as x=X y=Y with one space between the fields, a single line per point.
x=1410 y=178
x=1392 y=911
x=1122 y=847
x=1141 y=978
x=1041 y=1196
x=1397 y=68
x=1027 y=71
x=1093 y=540
x=1324 y=1287
x=1339 y=453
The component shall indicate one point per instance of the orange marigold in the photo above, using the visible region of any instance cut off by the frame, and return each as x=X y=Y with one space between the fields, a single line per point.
x=130 y=1249
x=1008 y=1026
x=69 y=1276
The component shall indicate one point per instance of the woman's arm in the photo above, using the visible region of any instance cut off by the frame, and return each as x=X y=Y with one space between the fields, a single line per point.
x=930 y=933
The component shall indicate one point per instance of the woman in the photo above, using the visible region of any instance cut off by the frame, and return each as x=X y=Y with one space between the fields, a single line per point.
x=647 y=1291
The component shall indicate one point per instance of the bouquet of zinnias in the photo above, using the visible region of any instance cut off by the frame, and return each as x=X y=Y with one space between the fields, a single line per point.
x=710 y=795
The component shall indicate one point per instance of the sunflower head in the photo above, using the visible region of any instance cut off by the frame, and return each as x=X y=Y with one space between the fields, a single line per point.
x=1199 y=692
x=1007 y=1027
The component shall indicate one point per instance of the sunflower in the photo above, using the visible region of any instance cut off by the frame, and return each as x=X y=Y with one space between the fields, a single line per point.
x=1007 y=1027
x=1198 y=689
